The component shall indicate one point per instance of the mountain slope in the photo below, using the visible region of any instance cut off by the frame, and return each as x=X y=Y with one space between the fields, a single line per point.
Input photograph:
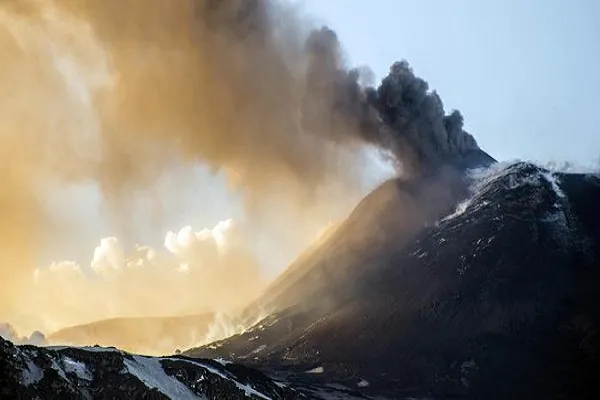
x=142 y=335
x=497 y=300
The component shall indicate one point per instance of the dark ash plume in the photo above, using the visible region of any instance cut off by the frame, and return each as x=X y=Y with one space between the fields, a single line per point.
x=401 y=115
x=243 y=86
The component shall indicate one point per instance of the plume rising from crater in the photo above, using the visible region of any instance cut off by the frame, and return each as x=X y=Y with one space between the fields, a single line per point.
x=120 y=94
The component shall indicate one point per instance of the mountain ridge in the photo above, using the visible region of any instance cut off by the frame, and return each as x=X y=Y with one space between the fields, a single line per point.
x=394 y=313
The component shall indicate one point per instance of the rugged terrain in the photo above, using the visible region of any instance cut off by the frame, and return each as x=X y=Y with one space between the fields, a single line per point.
x=30 y=372
x=412 y=297
x=495 y=300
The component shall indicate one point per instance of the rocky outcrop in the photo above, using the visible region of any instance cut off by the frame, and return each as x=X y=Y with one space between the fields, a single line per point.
x=28 y=372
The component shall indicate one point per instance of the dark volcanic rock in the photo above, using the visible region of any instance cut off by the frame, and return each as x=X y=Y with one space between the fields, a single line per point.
x=497 y=300
x=28 y=372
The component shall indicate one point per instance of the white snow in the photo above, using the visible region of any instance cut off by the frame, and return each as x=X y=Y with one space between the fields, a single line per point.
x=362 y=383
x=248 y=390
x=259 y=349
x=484 y=178
x=460 y=209
x=150 y=371
x=552 y=178
x=223 y=362
x=76 y=367
x=32 y=374
x=60 y=371
x=318 y=370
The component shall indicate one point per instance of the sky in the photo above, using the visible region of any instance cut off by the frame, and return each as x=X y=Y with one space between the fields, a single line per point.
x=525 y=74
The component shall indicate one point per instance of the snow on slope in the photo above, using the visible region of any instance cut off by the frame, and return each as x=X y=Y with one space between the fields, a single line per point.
x=485 y=179
x=95 y=372
x=150 y=371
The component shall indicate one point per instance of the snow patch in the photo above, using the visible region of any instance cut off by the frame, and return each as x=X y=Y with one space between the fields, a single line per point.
x=250 y=391
x=483 y=180
x=259 y=349
x=318 y=370
x=150 y=371
x=247 y=389
x=362 y=384
x=32 y=374
x=60 y=371
x=460 y=209
x=76 y=367
x=552 y=178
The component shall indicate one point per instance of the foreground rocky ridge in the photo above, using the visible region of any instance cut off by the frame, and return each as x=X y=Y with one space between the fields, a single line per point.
x=29 y=372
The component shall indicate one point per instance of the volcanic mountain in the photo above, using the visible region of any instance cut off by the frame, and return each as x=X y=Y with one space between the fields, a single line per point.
x=495 y=298
x=413 y=296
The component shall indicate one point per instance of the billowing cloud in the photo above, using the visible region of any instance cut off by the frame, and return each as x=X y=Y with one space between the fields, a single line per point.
x=7 y=332
x=198 y=271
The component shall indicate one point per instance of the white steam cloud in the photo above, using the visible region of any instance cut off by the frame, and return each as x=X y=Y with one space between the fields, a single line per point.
x=7 y=332
x=197 y=271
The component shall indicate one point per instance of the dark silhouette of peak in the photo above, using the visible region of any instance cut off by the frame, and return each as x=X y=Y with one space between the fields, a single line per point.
x=495 y=298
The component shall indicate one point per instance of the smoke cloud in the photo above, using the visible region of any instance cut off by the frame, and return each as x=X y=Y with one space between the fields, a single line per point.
x=121 y=92
x=211 y=270
x=9 y=333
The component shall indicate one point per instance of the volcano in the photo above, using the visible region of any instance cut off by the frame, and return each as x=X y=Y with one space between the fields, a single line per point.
x=494 y=299
x=461 y=278
x=476 y=284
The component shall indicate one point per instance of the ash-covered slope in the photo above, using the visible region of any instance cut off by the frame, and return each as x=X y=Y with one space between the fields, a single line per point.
x=496 y=300
x=387 y=218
